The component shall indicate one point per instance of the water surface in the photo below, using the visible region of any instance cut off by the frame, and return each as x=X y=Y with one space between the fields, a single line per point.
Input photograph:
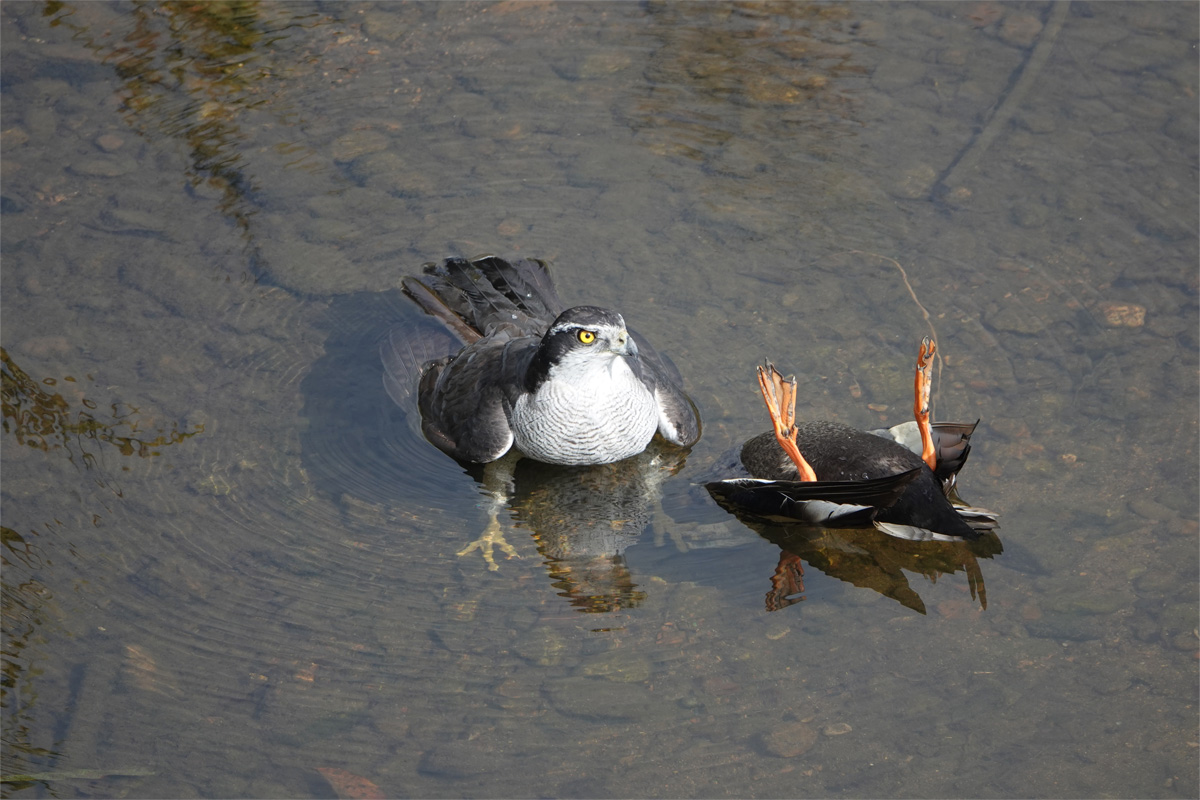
x=230 y=561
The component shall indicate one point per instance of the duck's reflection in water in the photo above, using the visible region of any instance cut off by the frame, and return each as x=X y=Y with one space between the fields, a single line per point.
x=870 y=559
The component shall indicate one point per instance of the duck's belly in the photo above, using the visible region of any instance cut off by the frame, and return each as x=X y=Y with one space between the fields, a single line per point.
x=836 y=452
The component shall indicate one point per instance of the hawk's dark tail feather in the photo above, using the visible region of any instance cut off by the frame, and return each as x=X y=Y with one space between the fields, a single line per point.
x=433 y=305
x=488 y=294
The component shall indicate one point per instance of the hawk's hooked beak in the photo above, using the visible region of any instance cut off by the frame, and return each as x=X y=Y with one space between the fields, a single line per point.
x=623 y=344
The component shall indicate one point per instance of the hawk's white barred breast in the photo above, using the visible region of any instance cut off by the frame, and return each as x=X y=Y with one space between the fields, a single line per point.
x=590 y=410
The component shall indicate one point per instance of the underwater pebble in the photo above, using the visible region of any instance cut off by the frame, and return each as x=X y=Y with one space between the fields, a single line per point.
x=108 y=142
x=984 y=14
x=1183 y=527
x=955 y=57
x=385 y=24
x=1185 y=642
x=127 y=220
x=1155 y=584
x=1149 y=508
x=1030 y=215
x=789 y=740
x=510 y=227
x=388 y=172
x=1178 y=618
x=394 y=725
x=916 y=181
x=1122 y=315
x=13 y=137
x=464 y=758
x=1168 y=327
x=516 y=697
x=1071 y=601
x=836 y=729
x=1020 y=29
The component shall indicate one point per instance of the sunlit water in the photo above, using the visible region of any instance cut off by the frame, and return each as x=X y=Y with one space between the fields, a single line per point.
x=230 y=562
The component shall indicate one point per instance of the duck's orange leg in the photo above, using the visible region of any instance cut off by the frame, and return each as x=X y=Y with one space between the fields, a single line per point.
x=787 y=581
x=921 y=390
x=780 y=396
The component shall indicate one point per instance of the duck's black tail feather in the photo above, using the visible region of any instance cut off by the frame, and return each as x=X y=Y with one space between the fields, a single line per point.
x=486 y=295
x=953 y=443
x=980 y=519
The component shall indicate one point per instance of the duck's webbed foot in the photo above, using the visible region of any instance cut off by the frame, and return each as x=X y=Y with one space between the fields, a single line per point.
x=779 y=394
x=922 y=385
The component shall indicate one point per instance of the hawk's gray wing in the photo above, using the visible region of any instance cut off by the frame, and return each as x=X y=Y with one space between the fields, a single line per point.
x=678 y=417
x=465 y=399
x=405 y=350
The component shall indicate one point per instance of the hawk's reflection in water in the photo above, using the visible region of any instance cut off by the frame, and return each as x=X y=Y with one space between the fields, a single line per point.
x=583 y=518
x=362 y=447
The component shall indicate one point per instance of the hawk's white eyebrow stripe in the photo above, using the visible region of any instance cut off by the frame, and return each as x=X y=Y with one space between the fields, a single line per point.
x=575 y=326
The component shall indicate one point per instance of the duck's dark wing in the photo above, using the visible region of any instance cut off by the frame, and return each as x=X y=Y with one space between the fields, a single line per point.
x=828 y=503
x=465 y=399
x=678 y=417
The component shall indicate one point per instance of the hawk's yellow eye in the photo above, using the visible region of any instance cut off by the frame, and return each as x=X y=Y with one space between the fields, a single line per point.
x=587 y=337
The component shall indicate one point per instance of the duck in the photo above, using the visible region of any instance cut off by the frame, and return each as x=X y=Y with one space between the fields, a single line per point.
x=900 y=480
